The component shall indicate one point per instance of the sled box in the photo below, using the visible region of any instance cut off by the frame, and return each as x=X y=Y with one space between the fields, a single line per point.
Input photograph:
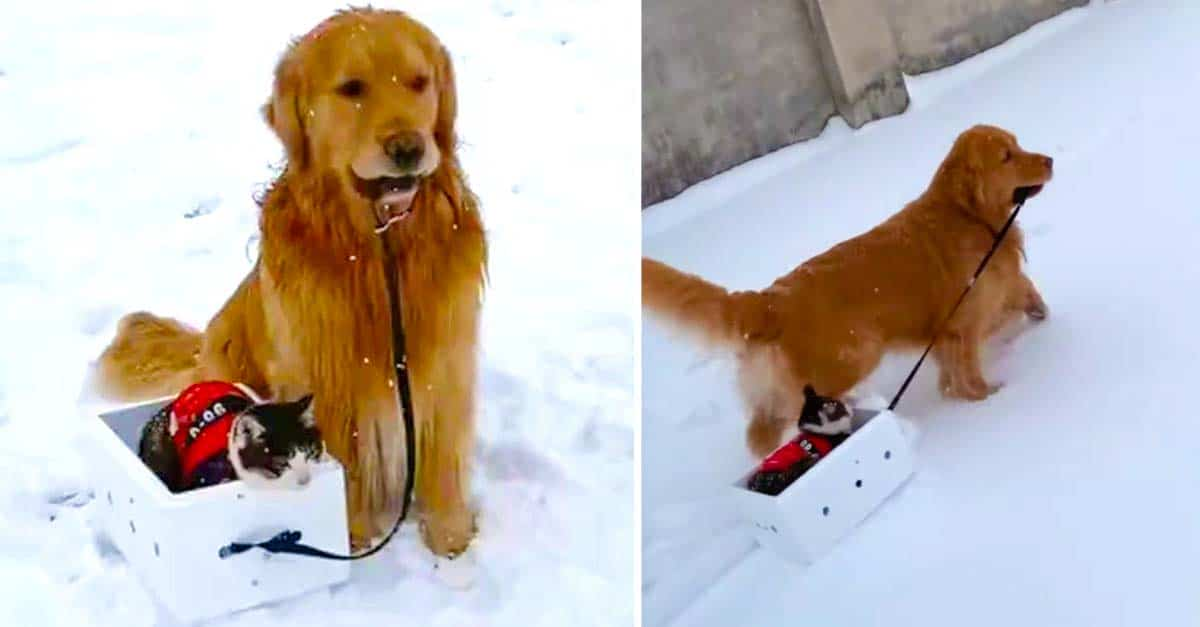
x=172 y=540
x=835 y=495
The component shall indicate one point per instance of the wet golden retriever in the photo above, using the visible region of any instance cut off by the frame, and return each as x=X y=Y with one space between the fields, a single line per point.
x=365 y=108
x=829 y=322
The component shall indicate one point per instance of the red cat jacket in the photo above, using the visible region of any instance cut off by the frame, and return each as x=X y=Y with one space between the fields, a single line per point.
x=805 y=445
x=200 y=420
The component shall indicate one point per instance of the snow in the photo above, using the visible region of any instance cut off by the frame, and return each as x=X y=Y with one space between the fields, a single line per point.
x=132 y=149
x=1067 y=498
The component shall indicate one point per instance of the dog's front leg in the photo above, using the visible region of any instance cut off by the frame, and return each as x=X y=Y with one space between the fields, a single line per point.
x=1031 y=300
x=764 y=432
x=445 y=437
x=957 y=353
x=447 y=524
x=345 y=362
x=361 y=426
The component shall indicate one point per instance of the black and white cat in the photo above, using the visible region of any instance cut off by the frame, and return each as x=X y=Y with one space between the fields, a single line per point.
x=215 y=432
x=825 y=415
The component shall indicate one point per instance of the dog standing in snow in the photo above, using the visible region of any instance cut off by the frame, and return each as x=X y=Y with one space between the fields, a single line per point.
x=829 y=321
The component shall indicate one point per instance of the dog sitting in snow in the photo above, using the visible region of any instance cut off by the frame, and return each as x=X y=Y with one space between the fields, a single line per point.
x=215 y=432
x=365 y=105
x=829 y=322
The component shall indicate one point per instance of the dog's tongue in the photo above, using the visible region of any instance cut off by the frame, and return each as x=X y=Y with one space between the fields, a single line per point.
x=394 y=204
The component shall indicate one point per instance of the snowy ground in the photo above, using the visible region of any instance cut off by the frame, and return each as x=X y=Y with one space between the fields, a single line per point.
x=1068 y=498
x=131 y=148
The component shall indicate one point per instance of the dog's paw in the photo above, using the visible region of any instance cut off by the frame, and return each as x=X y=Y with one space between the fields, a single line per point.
x=1036 y=309
x=359 y=543
x=965 y=394
x=448 y=535
x=945 y=382
x=362 y=533
x=971 y=390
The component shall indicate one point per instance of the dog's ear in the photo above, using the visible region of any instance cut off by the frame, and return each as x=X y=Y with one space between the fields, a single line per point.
x=961 y=176
x=285 y=111
x=443 y=131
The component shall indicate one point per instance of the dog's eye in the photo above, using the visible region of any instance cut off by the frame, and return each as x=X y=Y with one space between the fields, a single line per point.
x=419 y=83
x=352 y=88
x=1006 y=156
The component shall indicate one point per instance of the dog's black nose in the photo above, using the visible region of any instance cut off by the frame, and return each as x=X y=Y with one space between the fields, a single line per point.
x=1050 y=162
x=405 y=149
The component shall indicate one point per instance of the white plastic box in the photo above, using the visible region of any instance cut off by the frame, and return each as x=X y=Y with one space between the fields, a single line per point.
x=172 y=540
x=829 y=500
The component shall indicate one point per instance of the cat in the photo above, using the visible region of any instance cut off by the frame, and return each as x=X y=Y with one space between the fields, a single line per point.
x=215 y=432
x=825 y=415
x=825 y=422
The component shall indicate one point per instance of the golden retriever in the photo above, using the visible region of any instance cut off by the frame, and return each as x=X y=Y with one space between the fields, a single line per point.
x=365 y=108
x=829 y=322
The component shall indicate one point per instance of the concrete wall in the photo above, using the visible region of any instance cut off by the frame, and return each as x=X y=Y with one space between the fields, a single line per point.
x=724 y=81
x=932 y=34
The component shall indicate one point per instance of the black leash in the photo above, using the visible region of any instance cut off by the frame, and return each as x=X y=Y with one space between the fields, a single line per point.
x=288 y=540
x=999 y=238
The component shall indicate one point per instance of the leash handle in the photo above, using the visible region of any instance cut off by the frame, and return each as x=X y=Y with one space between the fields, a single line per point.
x=288 y=540
x=961 y=297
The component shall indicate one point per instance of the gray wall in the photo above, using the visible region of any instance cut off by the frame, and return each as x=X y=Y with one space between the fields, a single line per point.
x=724 y=81
x=931 y=34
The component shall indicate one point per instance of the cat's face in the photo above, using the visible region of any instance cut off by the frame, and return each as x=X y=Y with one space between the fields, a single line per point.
x=825 y=415
x=274 y=445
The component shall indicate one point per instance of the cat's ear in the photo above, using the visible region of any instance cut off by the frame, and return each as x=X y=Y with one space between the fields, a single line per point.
x=302 y=405
x=247 y=428
x=303 y=408
x=809 y=392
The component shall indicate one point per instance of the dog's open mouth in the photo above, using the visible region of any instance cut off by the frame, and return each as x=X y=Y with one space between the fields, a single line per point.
x=391 y=197
x=1020 y=194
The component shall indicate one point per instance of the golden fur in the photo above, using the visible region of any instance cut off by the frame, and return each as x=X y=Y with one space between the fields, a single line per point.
x=829 y=321
x=312 y=315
